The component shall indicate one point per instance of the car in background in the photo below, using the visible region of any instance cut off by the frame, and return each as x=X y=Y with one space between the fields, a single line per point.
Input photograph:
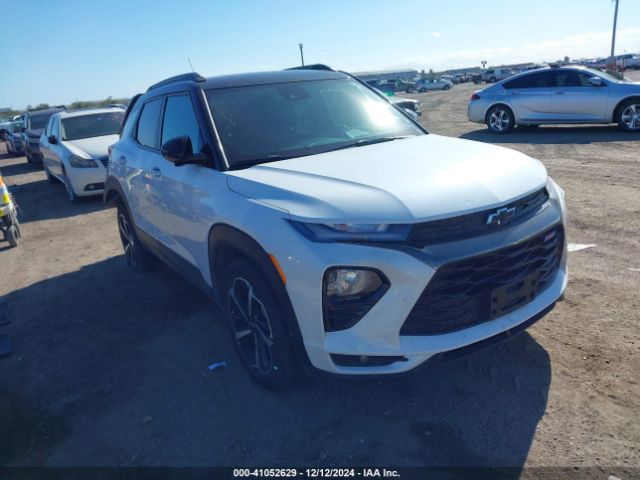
x=432 y=84
x=557 y=95
x=74 y=147
x=493 y=75
x=5 y=123
x=34 y=122
x=450 y=78
x=392 y=86
x=13 y=138
x=628 y=61
x=409 y=104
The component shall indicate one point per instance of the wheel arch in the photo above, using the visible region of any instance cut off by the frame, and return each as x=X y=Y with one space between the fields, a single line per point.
x=501 y=104
x=614 y=117
x=226 y=243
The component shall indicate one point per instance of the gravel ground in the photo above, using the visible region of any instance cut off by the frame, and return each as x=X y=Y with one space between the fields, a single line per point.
x=110 y=367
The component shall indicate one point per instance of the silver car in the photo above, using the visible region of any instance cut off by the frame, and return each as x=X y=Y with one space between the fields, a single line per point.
x=557 y=96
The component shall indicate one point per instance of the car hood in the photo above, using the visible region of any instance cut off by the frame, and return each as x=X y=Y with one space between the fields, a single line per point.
x=414 y=179
x=95 y=147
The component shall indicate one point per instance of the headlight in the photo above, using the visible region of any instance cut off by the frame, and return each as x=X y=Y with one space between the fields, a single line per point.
x=79 y=162
x=345 y=232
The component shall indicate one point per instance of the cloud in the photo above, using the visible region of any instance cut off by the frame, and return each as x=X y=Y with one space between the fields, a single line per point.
x=585 y=45
x=434 y=35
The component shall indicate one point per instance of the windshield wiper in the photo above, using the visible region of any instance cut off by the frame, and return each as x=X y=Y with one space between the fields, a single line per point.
x=368 y=141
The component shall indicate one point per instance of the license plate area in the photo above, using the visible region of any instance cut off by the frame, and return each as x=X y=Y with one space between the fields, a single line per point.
x=509 y=297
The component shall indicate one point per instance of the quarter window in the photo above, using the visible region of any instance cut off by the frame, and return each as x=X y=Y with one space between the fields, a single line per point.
x=180 y=120
x=147 y=133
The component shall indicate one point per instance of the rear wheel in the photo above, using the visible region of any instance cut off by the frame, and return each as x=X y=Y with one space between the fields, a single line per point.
x=500 y=119
x=258 y=326
x=138 y=258
x=628 y=117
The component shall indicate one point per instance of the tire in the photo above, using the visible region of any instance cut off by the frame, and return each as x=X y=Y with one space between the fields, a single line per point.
x=29 y=160
x=423 y=90
x=138 y=258
x=71 y=194
x=628 y=115
x=410 y=90
x=50 y=178
x=446 y=87
x=492 y=80
x=13 y=235
x=500 y=119
x=258 y=327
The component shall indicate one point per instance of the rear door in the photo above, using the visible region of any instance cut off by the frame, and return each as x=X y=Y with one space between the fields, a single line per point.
x=530 y=95
x=135 y=162
x=574 y=99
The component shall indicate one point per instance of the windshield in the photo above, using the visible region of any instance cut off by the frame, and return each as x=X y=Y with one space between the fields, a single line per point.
x=262 y=123
x=37 y=122
x=94 y=125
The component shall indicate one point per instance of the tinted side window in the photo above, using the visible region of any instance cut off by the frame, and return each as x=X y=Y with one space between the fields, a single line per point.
x=570 y=78
x=147 y=133
x=533 y=80
x=180 y=120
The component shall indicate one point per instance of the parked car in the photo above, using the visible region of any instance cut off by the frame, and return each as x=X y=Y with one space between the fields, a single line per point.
x=557 y=95
x=13 y=138
x=74 y=147
x=34 y=122
x=5 y=123
x=493 y=75
x=392 y=86
x=628 y=61
x=432 y=84
x=408 y=104
x=336 y=233
x=451 y=79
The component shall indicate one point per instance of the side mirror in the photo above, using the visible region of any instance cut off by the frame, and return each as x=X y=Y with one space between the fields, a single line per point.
x=52 y=139
x=595 y=81
x=180 y=152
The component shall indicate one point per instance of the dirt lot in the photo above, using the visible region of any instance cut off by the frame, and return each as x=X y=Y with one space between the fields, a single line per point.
x=110 y=367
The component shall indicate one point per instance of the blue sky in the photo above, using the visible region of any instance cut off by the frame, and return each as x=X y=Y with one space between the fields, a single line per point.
x=86 y=50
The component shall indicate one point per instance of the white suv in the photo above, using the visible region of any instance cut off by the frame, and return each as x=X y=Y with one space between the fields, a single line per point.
x=335 y=232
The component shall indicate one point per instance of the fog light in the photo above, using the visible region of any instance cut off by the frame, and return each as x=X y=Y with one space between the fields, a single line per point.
x=349 y=293
x=346 y=283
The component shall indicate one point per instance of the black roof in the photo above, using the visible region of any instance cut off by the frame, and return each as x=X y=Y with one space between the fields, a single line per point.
x=247 y=79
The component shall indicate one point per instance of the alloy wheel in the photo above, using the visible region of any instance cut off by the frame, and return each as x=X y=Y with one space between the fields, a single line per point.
x=251 y=326
x=631 y=117
x=128 y=242
x=499 y=120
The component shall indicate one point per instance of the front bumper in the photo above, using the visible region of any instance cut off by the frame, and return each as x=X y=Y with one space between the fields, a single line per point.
x=408 y=270
x=87 y=181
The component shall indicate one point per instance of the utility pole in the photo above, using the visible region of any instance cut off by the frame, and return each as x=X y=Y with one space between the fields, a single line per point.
x=612 y=60
x=301 y=54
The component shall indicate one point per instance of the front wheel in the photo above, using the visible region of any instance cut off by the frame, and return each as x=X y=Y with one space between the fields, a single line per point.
x=628 y=117
x=13 y=235
x=258 y=326
x=73 y=198
x=410 y=90
x=500 y=119
x=446 y=87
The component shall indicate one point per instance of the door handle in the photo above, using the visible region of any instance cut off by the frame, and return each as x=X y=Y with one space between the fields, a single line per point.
x=155 y=172
x=122 y=160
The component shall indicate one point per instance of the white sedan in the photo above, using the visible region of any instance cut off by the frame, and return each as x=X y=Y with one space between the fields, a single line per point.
x=74 y=148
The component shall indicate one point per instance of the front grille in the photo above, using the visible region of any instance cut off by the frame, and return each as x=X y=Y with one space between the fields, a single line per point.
x=475 y=224
x=467 y=292
x=104 y=160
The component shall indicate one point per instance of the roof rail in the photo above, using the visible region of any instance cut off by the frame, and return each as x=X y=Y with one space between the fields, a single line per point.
x=192 y=76
x=315 y=66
